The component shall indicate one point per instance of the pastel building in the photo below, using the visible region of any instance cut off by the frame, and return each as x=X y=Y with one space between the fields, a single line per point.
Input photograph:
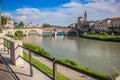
x=85 y=25
x=108 y=25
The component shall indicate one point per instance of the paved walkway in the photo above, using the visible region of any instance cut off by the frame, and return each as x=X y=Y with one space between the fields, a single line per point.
x=23 y=71
x=4 y=73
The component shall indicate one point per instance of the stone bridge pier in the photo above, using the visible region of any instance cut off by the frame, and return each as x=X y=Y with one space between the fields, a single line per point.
x=55 y=30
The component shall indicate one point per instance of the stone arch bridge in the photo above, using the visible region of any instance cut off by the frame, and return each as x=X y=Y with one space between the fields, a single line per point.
x=55 y=30
x=25 y=31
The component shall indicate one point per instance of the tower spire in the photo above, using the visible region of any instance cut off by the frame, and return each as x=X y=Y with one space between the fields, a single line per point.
x=85 y=17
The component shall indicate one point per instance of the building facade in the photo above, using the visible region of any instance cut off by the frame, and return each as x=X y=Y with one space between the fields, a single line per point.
x=108 y=25
x=85 y=25
x=9 y=24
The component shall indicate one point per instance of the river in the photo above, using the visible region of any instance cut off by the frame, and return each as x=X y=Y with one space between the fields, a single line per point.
x=101 y=56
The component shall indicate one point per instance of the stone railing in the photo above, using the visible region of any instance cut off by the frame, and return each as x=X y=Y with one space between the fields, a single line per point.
x=15 y=50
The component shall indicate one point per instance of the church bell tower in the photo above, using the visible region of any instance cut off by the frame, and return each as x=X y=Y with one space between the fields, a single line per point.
x=85 y=17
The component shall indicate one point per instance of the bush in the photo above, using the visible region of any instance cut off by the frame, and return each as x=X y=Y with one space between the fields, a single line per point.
x=112 y=34
x=13 y=36
x=19 y=33
x=37 y=49
x=101 y=36
x=104 y=33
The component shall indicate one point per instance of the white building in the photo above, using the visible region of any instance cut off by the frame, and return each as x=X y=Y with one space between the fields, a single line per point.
x=108 y=25
x=9 y=24
x=29 y=25
x=73 y=26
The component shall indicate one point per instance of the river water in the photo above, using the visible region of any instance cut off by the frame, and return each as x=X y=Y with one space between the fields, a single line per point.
x=101 y=56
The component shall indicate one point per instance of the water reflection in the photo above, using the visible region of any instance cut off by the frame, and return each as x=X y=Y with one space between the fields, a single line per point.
x=98 y=55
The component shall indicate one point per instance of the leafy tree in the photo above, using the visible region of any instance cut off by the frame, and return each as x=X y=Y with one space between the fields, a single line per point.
x=3 y=20
x=21 y=23
x=46 y=25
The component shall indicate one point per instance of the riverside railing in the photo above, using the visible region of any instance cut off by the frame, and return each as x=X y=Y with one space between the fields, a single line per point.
x=13 y=74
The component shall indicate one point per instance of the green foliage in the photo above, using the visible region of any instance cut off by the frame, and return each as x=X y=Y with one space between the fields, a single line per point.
x=102 y=36
x=6 y=43
x=46 y=25
x=112 y=34
x=116 y=72
x=67 y=61
x=21 y=23
x=19 y=33
x=103 y=33
x=3 y=20
x=44 y=68
x=80 y=67
x=37 y=49
x=15 y=37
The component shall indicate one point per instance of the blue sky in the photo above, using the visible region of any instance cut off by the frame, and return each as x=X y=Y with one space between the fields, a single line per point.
x=59 y=12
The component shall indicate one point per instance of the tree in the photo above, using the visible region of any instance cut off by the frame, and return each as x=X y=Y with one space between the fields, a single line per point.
x=46 y=25
x=21 y=23
x=3 y=20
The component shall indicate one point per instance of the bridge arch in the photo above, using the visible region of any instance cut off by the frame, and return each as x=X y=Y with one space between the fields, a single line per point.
x=27 y=32
x=31 y=31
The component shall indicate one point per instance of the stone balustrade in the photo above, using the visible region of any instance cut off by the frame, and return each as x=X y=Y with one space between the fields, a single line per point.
x=15 y=50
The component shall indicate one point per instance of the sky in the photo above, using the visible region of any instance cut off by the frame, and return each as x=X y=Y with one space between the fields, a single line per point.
x=59 y=12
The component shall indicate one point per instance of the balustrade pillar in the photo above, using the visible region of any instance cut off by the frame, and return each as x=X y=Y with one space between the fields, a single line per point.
x=16 y=52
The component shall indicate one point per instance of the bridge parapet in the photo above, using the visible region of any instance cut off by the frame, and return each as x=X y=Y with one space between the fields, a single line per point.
x=65 y=30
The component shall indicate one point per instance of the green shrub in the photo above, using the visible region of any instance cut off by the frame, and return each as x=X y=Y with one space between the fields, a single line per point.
x=15 y=37
x=112 y=34
x=104 y=33
x=19 y=33
x=37 y=49
x=103 y=36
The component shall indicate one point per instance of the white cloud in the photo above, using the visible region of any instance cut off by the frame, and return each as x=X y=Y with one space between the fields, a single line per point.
x=21 y=18
x=68 y=13
x=7 y=14
x=72 y=4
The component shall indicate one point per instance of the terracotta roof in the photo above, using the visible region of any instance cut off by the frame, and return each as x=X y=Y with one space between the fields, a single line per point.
x=114 y=18
x=98 y=22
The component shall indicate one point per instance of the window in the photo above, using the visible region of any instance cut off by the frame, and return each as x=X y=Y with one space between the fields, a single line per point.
x=116 y=25
x=112 y=25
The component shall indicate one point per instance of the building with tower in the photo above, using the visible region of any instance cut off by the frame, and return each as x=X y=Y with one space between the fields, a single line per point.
x=84 y=25
x=85 y=17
